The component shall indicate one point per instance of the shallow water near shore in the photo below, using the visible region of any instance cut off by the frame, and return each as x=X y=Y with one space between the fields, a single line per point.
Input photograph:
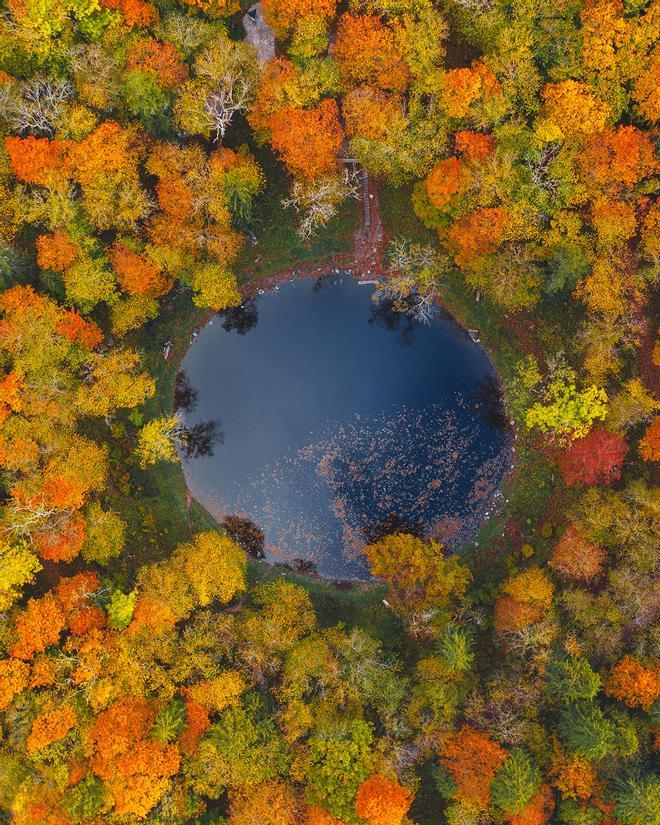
x=329 y=420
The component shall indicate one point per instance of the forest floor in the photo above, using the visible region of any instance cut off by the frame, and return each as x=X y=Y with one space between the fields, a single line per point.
x=648 y=369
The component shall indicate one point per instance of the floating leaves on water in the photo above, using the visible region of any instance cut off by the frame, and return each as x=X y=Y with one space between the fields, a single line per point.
x=414 y=470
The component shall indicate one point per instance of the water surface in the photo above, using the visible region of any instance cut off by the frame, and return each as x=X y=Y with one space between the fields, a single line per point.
x=329 y=420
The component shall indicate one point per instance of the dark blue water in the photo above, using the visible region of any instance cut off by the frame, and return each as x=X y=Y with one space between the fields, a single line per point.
x=329 y=420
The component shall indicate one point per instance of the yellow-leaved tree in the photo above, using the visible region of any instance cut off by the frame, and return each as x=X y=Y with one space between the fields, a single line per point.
x=158 y=440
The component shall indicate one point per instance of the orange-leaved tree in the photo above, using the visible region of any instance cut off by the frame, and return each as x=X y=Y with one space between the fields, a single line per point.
x=474 y=145
x=49 y=727
x=616 y=159
x=369 y=112
x=161 y=60
x=367 y=52
x=198 y=721
x=472 y=758
x=318 y=816
x=633 y=683
x=269 y=803
x=56 y=251
x=308 y=140
x=649 y=445
x=284 y=15
x=136 y=274
x=447 y=180
x=78 y=330
x=382 y=801
x=574 y=109
x=37 y=160
x=105 y=164
x=13 y=679
x=576 y=557
x=614 y=221
x=538 y=811
x=37 y=627
x=134 y=766
x=135 y=12
x=574 y=775
x=477 y=234
x=56 y=377
x=465 y=88
x=75 y=594
x=525 y=599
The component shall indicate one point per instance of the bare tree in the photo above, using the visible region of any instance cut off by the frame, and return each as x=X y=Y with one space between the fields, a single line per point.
x=317 y=202
x=96 y=75
x=539 y=168
x=232 y=94
x=410 y=257
x=505 y=707
x=530 y=642
x=476 y=6
x=413 y=285
x=189 y=33
x=34 y=106
x=232 y=71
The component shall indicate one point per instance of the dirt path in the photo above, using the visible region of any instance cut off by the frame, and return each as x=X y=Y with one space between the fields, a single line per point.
x=649 y=373
x=370 y=241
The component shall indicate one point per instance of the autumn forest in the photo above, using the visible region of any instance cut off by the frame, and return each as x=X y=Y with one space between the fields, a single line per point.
x=160 y=163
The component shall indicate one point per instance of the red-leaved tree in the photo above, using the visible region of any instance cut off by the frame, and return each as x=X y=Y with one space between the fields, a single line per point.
x=594 y=459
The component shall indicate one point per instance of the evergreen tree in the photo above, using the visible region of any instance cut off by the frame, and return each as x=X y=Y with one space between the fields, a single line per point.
x=638 y=800
x=572 y=678
x=170 y=721
x=515 y=782
x=585 y=730
x=455 y=648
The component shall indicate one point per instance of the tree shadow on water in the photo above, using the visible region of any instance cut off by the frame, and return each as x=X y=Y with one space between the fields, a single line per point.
x=202 y=438
x=185 y=396
x=391 y=525
x=325 y=280
x=490 y=400
x=247 y=534
x=240 y=319
x=387 y=315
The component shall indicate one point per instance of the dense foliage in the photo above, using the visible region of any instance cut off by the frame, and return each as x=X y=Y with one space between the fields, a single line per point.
x=150 y=671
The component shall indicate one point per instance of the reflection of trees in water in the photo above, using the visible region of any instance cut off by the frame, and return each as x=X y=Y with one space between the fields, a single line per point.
x=240 y=319
x=331 y=279
x=391 y=524
x=305 y=567
x=246 y=533
x=185 y=397
x=387 y=314
x=202 y=437
x=490 y=399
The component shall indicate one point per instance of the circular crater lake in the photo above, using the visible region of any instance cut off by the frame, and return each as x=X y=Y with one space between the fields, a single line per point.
x=329 y=420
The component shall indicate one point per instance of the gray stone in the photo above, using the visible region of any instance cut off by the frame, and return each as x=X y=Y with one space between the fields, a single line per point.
x=259 y=34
